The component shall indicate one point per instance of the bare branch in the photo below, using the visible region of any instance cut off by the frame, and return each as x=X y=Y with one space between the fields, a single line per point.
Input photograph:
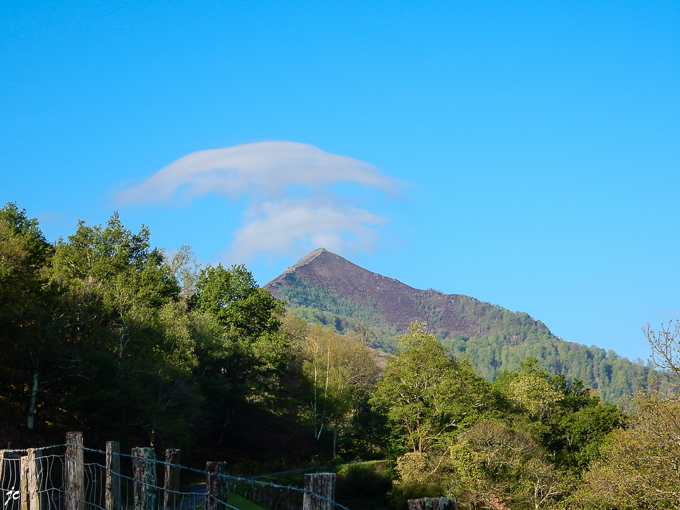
x=665 y=345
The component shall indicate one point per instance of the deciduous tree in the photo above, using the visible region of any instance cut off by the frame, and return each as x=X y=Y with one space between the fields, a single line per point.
x=427 y=396
x=639 y=465
x=341 y=374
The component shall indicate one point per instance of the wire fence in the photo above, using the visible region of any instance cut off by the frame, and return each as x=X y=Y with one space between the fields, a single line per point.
x=73 y=477
x=22 y=470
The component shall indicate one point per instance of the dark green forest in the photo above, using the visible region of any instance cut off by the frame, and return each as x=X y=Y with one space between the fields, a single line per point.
x=102 y=332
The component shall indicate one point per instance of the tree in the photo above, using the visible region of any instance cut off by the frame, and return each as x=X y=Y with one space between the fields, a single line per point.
x=363 y=334
x=564 y=417
x=580 y=434
x=424 y=475
x=341 y=373
x=243 y=353
x=249 y=317
x=639 y=464
x=118 y=271
x=183 y=264
x=233 y=297
x=31 y=315
x=500 y=465
x=134 y=347
x=427 y=396
x=665 y=345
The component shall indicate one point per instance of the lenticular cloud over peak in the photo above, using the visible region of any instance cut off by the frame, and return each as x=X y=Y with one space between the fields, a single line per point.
x=267 y=174
x=267 y=168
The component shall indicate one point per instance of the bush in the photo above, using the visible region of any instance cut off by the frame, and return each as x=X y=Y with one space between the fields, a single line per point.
x=365 y=486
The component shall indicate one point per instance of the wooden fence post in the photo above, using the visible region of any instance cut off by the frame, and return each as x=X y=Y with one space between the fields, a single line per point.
x=144 y=472
x=23 y=482
x=171 y=482
x=112 y=489
x=319 y=484
x=74 y=472
x=34 y=475
x=216 y=486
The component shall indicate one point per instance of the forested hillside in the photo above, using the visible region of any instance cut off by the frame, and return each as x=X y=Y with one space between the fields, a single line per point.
x=327 y=289
x=104 y=333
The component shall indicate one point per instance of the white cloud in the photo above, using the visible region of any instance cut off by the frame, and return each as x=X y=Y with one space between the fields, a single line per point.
x=294 y=227
x=267 y=174
x=268 y=168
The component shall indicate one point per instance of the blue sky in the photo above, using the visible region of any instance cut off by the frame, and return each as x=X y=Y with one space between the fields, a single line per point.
x=524 y=153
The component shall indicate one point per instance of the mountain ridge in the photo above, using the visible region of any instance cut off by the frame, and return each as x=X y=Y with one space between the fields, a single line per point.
x=400 y=303
x=326 y=288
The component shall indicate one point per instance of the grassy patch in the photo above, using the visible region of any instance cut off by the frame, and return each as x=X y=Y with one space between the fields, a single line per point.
x=242 y=503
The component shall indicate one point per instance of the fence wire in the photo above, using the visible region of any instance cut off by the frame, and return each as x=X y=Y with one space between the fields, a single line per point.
x=35 y=480
x=42 y=468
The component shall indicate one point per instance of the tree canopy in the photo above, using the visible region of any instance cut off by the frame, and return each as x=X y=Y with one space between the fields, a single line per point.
x=429 y=397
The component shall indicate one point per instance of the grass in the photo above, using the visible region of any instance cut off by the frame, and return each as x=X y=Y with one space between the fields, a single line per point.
x=345 y=468
x=242 y=503
x=239 y=502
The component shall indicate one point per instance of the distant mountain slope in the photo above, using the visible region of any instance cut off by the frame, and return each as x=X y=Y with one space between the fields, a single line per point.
x=324 y=287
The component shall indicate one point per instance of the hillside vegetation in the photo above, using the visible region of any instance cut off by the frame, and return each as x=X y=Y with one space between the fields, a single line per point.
x=329 y=290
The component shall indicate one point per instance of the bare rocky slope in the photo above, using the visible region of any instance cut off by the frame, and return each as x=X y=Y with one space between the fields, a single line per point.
x=325 y=287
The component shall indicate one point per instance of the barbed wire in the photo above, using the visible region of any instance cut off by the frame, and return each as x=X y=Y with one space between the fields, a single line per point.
x=36 y=448
x=226 y=477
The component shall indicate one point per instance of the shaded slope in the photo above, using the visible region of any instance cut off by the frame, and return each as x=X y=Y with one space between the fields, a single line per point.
x=324 y=287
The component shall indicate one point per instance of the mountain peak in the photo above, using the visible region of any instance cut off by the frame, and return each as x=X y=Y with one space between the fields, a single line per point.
x=309 y=257
x=300 y=263
x=325 y=272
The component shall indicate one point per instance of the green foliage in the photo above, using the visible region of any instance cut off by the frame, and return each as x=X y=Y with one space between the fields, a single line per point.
x=97 y=335
x=365 y=485
x=237 y=303
x=339 y=376
x=428 y=397
x=523 y=443
x=132 y=337
x=318 y=304
x=423 y=475
x=31 y=315
x=500 y=465
x=120 y=264
x=638 y=466
x=502 y=339
x=565 y=418
x=326 y=319
x=18 y=224
x=614 y=378
x=507 y=338
x=250 y=348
